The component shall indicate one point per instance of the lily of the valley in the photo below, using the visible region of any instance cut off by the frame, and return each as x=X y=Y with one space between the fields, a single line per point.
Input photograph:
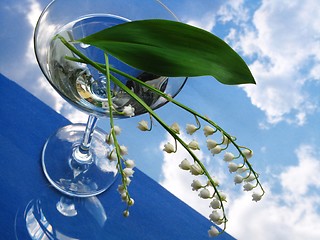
x=247 y=153
x=213 y=232
x=128 y=172
x=128 y=111
x=216 y=150
x=185 y=164
x=195 y=169
x=143 y=125
x=176 y=128
x=207 y=130
x=191 y=128
x=238 y=179
x=196 y=185
x=204 y=193
x=194 y=145
x=256 y=197
x=129 y=163
x=215 y=216
x=233 y=167
x=215 y=204
x=211 y=144
x=228 y=157
x=248 y=187
x=169 y=148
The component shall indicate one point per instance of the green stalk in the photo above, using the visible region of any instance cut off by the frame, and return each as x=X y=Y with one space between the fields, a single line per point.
x=196 y=114
x=173 y=134
x=116 y=144
x=105 y=69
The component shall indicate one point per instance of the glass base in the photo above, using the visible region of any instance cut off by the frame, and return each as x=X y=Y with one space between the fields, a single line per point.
x=74 y=173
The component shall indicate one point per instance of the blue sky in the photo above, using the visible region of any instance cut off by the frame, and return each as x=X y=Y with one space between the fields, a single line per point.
x=278 y=117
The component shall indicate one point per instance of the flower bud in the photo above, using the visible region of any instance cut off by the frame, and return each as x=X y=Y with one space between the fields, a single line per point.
x=214 y=216
x=191 y=128
x=126 y=213
x=223 y=196
x=215 y=182
x=238 y=179
x=185 y=164
x=129 y=163
x=248 y=187
x=143 y=125
x=213 y=232
x=128 y=111
x=225 y=140
x=194 y=145
x=196 y=185
x=113 y=155
x=215 y=204
x=250 y=178
x=128 y=172
x=211 y=144
x=127 y=181
x=216 y=150
x=195 y=169
x=130 y=202
x=123 y=150
x=117 y=130
x=256 y=197
x=228 y=157
x=232 y=167
x=169 y=148
x=109 y=139
x=247 y=153
x=176 y=128
x=204 y=193
x=242 y=168
x=121 y=189
x=208 y=131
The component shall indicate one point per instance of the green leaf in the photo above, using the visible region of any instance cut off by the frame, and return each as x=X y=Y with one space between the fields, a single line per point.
x=172 y=49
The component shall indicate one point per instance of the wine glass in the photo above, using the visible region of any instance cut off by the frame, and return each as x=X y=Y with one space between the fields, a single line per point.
x=74 y=158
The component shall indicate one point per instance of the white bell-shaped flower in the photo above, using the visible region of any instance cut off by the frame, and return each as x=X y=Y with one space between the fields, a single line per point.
x=196 y=185
x=191 y=128
x=169 y=148
x=211 y=144
x=213 y=231
x=194 y=145
x=128 y=111
x=204 y=193
x=207 y=130
x=185 y=164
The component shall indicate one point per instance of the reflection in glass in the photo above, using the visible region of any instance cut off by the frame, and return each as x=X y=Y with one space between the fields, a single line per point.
x=45 y=219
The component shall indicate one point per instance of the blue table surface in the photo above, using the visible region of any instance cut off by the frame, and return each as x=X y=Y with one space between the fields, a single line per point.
x=28 y=202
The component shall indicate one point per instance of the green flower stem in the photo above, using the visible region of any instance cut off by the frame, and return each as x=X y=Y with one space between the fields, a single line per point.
x=105 y=69
x=116 y=144
x=174 y=135
x=196 y=114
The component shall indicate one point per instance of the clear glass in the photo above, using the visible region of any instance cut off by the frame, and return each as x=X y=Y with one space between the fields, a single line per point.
x=74 y=159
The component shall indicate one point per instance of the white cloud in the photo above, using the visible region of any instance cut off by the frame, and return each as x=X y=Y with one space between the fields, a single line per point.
x=298 y=179
x=207 y=21
x=233 y=11
x=291 y=213
x=30 y=76
x=178 y=181
x=273 y=218
x=283 y=40
x=32 y=16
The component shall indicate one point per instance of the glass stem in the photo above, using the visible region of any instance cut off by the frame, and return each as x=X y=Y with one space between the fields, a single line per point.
x=82 y=153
